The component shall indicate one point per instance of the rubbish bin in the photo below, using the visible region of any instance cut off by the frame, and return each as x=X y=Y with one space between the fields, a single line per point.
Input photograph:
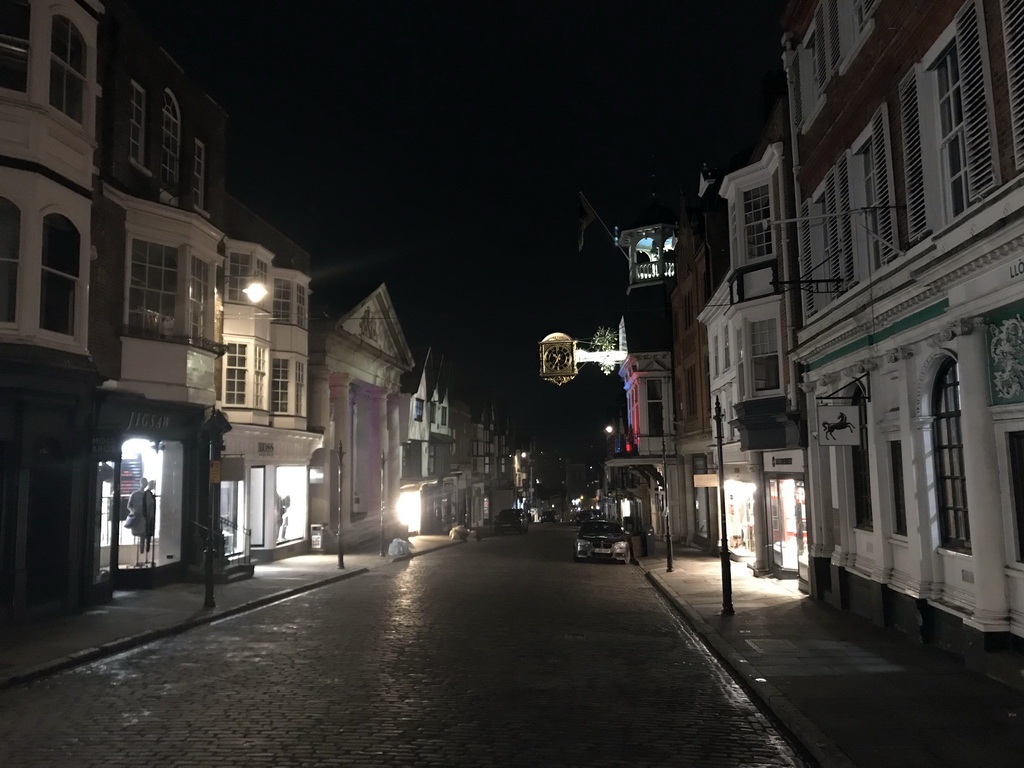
x=318 y=538
x=649 y=539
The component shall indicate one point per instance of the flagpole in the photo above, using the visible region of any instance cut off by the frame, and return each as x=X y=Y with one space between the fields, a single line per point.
x=601 y=222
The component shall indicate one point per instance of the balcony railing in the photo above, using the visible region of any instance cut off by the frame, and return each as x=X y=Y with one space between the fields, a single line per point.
x=655 y=270
x=153 y=330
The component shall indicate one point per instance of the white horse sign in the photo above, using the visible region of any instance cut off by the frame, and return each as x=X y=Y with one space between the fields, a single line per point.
x=838 y=425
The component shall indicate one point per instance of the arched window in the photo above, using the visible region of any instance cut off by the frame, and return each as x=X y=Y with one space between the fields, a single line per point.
x=863 y=515
x=170 y=143
x=67 y=68
x=10 y=243
x=61 y=253
x=947 y=437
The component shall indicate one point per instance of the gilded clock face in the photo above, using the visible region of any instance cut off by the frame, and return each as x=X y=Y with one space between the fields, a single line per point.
x=557 y=358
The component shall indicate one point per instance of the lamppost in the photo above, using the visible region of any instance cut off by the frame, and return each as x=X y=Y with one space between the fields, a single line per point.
x=665 y=510
x=727 y=608
x=215 y=426
x=341 y=515
x=383 y=542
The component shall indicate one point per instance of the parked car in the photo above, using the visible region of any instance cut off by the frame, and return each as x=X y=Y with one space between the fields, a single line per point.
x=548 y=516
x=600 y=540
x=506 y=520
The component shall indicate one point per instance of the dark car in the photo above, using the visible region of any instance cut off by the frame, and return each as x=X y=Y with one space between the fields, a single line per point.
x=548 y=516
x=507 y=520
x=600 y=540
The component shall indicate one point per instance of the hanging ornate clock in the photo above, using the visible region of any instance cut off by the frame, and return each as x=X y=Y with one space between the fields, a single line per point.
x=557 y=358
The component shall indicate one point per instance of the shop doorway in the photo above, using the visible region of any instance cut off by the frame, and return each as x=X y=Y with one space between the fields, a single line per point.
x=138 y=510
x=788 y=513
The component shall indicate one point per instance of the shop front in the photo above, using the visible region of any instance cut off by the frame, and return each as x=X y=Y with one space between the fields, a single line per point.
x=740 y=519
x=786 y=502
x=147 y=493
x=265 y=495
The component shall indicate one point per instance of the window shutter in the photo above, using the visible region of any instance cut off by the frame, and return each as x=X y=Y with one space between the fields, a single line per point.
x=883 y=182
x=835 y=50
x=806 y=258
x=1013 y=32
x=832 y=238
x=917 y=213
x=844 y=222
x=981 y=170
x=820 y=49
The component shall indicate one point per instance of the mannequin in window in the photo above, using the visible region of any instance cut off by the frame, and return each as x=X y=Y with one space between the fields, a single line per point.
x=149 y=515
x=286 y=502
x=136 y=520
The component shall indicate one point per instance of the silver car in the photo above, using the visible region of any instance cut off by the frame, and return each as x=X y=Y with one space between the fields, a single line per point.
x=600 y=540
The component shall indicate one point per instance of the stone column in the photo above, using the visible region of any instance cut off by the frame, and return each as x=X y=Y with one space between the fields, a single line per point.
x=394 y=466
x=916 y=431
x=981 y=468
x=818 y=484
x=375 y=472
x=762 y=529
x=320 y=396
x=341 y=440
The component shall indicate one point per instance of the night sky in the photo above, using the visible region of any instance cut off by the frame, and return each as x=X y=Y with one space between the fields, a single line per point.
x=439 y=147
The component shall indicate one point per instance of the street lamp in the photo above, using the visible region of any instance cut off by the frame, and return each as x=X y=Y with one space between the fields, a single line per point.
x=215 y=427
x=727 y=608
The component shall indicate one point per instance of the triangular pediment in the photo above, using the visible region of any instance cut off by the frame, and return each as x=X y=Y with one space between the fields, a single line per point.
x=374 y=322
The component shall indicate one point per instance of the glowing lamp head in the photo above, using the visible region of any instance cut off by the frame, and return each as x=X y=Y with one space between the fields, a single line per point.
x=256 y=291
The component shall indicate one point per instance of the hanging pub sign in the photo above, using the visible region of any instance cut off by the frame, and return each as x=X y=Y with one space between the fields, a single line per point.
x=838 y=425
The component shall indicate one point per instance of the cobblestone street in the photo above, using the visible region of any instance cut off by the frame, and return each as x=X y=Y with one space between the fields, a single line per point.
x=493 y=653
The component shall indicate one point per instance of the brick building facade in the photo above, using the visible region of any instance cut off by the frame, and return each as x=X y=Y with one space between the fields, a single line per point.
x=907 y=125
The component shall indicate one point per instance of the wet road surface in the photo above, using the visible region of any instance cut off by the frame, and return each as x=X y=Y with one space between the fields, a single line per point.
x=501 y=652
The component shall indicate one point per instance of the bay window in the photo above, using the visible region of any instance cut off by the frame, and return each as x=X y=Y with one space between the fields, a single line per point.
x=757 y=213
x=279 y=382
x=655 y=408
x=60 y=268
x=153 y=288
x=14 y=40
x=198 y=290
x=243 y=269
x=67 y=68
x=259 y=376
x=301 y=316
x=282 y=307
x=10 y=246
x=235 y=374
x=764 y=355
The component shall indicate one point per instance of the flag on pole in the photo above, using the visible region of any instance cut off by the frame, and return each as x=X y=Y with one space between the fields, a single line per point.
x=587 y=216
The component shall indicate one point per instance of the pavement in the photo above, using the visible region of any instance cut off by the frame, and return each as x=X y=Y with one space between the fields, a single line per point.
x=853 y=694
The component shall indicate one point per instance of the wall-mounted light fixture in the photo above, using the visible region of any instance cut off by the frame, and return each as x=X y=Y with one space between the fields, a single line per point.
x=256 y=291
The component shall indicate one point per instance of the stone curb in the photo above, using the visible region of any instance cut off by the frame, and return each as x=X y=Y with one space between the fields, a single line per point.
x=822 y=748
x=122 y=644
